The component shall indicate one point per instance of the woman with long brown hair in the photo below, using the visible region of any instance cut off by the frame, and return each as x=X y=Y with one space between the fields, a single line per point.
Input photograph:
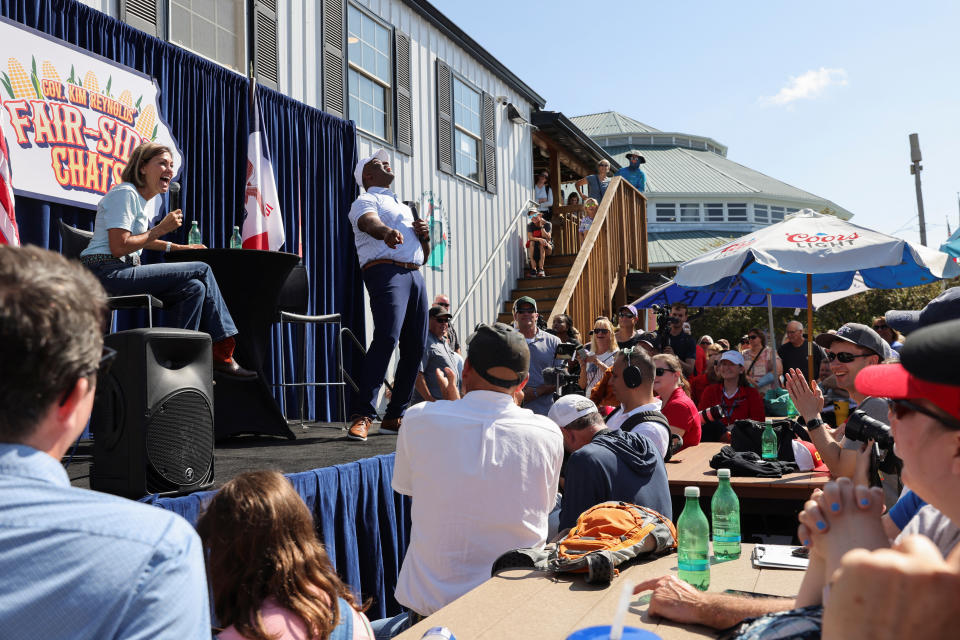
x=674 y=392
x=270 y=576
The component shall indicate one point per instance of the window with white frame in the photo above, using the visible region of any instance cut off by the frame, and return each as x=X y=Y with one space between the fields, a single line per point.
x=776 y=214
x=714 y=212
x=761 y=213
x=369 y=73
x=666 y=212
x=690 y=212
x=736 y=212
x=467 y=132
x=791 y=211
x=215 y=30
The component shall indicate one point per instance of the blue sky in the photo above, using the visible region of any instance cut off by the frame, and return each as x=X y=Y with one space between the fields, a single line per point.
x=821 y=95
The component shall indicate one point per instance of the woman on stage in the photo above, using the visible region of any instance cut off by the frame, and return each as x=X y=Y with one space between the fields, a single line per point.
x=121 y=232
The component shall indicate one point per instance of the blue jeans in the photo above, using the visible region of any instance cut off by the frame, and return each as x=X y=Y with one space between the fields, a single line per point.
x=398 y=301
x=189 y=288
x=386 y=628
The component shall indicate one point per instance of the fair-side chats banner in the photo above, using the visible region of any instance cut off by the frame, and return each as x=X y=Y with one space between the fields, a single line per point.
x=72 y=118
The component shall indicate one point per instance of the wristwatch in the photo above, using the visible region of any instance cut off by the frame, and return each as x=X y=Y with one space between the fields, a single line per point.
x=814 y=423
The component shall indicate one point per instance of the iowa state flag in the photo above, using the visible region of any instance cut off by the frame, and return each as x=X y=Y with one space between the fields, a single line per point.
x=263 y=221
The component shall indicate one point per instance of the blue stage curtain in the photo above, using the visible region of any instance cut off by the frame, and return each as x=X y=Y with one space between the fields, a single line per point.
x=205 y=106
x=362 y=522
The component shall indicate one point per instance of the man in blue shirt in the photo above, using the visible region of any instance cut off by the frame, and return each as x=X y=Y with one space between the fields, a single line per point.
x=633 y=173
x=537 y=395
x=75 y=563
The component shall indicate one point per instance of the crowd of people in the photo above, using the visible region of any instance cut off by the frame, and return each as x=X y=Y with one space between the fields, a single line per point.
x=513 y=435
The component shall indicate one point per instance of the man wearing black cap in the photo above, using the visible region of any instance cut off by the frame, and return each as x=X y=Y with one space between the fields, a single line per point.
x=633 y=173
x=537 y=396
x=483 y=474
x=436 y=356
x=851 y=349
x=627 y=334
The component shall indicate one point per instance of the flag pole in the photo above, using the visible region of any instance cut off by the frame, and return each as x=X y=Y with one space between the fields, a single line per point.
x=810 y=333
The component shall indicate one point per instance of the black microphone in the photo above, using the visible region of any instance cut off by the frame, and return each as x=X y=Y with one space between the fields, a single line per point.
x=174 y=192
x=413 y=208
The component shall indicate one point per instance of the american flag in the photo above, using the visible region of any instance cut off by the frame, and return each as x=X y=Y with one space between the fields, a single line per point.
x=263 y=223
x=8 y=221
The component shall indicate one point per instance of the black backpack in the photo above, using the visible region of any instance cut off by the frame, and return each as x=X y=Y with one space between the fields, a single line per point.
x=747 y=435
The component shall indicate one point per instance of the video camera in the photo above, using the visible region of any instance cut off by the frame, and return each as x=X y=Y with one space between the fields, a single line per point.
x=565 y=382
x=664 y=320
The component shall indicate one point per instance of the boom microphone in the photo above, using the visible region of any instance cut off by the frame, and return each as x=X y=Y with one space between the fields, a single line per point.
x=174 y=193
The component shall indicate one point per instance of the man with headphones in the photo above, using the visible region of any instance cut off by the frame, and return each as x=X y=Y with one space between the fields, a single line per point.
x=632 y=379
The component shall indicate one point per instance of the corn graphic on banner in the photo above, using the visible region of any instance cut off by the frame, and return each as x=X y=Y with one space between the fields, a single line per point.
x=72 y=118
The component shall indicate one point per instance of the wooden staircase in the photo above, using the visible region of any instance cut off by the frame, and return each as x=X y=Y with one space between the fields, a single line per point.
x=544 y=290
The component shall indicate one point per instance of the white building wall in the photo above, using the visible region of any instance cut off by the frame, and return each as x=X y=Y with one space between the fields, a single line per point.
x=478 y=220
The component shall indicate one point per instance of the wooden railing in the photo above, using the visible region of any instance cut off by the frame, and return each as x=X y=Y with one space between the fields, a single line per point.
x=615 y=243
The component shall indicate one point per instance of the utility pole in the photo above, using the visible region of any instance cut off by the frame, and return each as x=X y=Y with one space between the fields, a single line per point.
x=915 y=170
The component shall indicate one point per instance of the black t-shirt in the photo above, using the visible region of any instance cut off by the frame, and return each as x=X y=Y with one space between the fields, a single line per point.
x=796 y=358
x=683 y=345
x=533 y=228
x=630 y=343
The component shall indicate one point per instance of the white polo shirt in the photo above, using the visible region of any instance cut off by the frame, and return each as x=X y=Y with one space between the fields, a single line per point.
x=653 y=430
x=395 y=215
x=483 y=475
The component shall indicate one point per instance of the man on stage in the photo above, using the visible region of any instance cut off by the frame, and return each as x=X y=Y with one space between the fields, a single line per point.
x=386 y=234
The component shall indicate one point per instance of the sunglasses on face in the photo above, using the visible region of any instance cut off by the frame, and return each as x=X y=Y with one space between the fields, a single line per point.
x=704 y=343
x=753 y=336
x=444 y=304
x=601 y=332
x=844 y=357
x=903 y=408
x=660 y=371
x=878 y=327
x=443 y=320
x=625 y=314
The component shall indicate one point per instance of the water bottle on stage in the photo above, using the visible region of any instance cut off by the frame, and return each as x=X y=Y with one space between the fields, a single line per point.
x=194 y=236
x=236 y=242
x=693 y=542
x=725 y=511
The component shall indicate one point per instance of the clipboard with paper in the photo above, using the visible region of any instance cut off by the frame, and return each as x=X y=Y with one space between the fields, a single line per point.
x=778 y=556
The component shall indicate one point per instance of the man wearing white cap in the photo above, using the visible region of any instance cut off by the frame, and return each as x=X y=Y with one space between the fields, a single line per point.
x=606 y=464
x=385 y=231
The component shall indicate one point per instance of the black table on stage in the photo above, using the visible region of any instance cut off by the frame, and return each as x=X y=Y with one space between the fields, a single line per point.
x=250 y=281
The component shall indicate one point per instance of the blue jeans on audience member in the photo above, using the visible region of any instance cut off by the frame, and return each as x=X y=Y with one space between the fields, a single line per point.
x=190 y=288
x=386 y=628
x=398 y=302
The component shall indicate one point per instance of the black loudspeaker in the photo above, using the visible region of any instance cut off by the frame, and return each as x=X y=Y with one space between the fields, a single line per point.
x=152 y=419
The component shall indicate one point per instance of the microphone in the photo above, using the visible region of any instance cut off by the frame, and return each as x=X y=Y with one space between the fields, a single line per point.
x=174 y=193
x=413 y=208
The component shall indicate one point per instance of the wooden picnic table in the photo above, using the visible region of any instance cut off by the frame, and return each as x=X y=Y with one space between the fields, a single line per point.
x=520 y=603
x=691 y=468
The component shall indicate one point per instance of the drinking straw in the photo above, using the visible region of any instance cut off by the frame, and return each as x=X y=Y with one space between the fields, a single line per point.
x=626 y=594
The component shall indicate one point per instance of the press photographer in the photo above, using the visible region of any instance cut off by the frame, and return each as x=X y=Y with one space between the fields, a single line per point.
x=672 y=338
x=850 y=350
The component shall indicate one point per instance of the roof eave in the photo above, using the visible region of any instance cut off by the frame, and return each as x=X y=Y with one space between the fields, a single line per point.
x=557 y=118
x=471 y=46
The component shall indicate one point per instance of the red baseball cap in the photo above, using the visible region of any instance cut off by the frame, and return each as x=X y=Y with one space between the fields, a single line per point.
x=895 y=382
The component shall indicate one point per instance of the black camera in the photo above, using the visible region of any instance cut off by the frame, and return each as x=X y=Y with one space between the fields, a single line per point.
x=861 y=427
x=560 y=377
x=712 y=414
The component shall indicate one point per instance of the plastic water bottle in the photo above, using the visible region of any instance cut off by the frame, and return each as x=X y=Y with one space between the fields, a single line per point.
x=725 y=509
x=194 y=236
x=768 y=442
x=438 y=633
x=693 y=542
x=236 y=242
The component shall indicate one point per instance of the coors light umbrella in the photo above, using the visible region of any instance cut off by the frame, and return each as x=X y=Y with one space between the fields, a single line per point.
x=809 y=253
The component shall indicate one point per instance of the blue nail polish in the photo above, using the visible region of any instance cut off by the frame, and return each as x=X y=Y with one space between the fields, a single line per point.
x=834 y=506
x=864 y=502
x=806 y=543
x=821 y=525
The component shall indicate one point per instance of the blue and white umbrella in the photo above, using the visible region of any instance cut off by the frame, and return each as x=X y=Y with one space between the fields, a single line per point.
x=809 y=253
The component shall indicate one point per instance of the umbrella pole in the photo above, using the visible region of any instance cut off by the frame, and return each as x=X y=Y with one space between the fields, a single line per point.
x=773 y=342
x=810 y=333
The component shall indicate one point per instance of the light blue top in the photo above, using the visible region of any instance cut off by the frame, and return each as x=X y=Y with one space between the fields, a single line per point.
x=122 y=208
x=636 y=177
x=543 y=348
x=82 y=564
x=395 y=215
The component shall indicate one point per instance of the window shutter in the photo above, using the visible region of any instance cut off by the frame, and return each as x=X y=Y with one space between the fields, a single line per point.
x=266 y=64
x=334 y=41
x=444 y=118
x=404 y=110
x=490 y=142
x=143 y=15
